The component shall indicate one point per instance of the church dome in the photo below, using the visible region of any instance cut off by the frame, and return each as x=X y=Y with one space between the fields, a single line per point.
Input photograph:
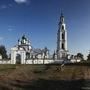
x=24 y=37
x=24 y=40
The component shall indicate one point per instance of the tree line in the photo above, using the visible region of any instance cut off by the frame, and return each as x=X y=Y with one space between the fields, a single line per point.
x=3 y=52
x=80 y=55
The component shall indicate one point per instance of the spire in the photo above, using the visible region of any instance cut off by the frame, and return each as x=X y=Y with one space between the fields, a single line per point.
x=62 y=14
x=62 y=18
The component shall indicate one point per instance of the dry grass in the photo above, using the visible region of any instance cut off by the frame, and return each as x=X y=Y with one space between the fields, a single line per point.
x=19 y=77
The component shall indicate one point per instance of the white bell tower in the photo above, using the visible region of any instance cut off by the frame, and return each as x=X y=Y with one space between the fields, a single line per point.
x=62 y=39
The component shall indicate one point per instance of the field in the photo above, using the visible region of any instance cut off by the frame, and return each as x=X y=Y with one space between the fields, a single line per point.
x=43 y=77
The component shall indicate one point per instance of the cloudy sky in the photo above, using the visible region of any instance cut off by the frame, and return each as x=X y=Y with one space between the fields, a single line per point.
x=38 y=19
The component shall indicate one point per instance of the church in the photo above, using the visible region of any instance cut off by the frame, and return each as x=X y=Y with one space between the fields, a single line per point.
x=24 y=53
x=21 y=51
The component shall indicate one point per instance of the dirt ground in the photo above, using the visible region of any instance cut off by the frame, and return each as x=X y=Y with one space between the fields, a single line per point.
x=43 y=77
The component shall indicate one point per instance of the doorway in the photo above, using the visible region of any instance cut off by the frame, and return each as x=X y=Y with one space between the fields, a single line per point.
x=18 y=59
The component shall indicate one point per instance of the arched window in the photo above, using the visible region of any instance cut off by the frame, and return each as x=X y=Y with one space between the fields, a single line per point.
x=62 y=27
x=27 y=55
x=63 y=36
x=63 y=47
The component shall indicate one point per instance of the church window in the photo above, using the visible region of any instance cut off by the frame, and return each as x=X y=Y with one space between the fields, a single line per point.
x=63 y=46
x=62 y=27
x=27 y=55
x=63 y=36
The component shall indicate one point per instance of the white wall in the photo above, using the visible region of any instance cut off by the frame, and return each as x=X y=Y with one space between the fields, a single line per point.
x=39 y=61
x=5 y=62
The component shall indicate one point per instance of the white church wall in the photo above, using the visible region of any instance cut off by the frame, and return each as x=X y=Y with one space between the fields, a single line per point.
x=23 y=57
x=58 y=61
x=66 y=40
x=39 y=61
x=35 y=61
x=13 y=55
x=48 y=61
x=29 y=62
x=0 y=57
x=5 y=62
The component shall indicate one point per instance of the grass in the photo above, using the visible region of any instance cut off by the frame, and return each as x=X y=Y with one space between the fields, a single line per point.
x=28 y=77
x=5 y=69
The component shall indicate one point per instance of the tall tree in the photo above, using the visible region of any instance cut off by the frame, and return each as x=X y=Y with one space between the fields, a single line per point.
x=80 y=55
x=88 y=57
x=3 y=52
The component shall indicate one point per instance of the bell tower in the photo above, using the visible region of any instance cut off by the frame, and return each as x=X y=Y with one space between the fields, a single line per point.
x=62 y=39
